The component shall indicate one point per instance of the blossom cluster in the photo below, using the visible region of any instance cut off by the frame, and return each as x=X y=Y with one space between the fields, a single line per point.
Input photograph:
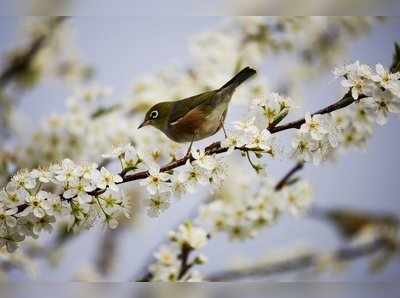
x=376 y=95
x=182 y=244
x=249 y=138
x=252 y=137
x=30 y=203
x=236 y=211
x=273 y=108
x=203 y=170
x=243 y=214
x=161 y=185
x=87 y=129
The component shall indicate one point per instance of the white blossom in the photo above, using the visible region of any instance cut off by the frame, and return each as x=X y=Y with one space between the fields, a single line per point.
x=157 y=203
x=12 y=196
x=218 y=173
x=233 y=140
x=167 y=256
x=275 y=107
x=303 y=146
x=55 y=206
x=43 y=223
x=6 y=217
x=314 y=125
x=357 y=84
x=157 y=181
x=387 y=80
x=67 y=171
x=79 y=188
x=260 y=140
x=178 y=185
x=36 y=204
x=195 y=175
x=43 y=175
x=203 y=160
x=24 y=179
x=187 y=234
x=382 y=103
x=108 y=179
x=248 y=126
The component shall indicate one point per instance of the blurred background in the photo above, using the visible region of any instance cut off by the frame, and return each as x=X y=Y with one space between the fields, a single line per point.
x=196 y=8
x=122 y=50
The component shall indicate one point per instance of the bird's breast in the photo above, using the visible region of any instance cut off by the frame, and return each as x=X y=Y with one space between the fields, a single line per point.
x=197 y=124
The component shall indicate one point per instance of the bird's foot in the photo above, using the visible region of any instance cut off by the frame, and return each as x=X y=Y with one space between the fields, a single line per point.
x=189 y=151
x=223 y=129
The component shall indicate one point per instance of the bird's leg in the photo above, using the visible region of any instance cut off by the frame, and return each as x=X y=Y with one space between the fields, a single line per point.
x=223 y=127
x=190 y=148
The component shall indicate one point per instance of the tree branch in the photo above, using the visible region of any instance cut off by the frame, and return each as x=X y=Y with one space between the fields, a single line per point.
x=288 y=176
x=24 y=61
x=216 y=148
x=184 y=256
x=302 y=262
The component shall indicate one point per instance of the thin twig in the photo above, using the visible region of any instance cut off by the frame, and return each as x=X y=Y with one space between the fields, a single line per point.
x=289 y=175
x=184 y=256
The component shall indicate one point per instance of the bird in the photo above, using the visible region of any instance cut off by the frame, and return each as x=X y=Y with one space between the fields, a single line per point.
x=197 y=117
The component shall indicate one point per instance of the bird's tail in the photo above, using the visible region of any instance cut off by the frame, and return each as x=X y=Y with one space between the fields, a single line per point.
x=239 y=78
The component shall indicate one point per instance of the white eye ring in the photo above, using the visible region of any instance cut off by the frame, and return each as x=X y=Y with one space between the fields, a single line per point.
x=154 y=114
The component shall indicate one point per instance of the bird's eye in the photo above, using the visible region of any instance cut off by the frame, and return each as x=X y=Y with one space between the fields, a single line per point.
x=154 y=114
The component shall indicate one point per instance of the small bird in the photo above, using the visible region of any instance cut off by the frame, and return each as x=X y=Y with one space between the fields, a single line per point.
x=196 y=117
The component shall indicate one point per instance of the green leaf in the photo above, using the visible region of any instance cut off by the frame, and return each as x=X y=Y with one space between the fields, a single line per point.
x=282 y=114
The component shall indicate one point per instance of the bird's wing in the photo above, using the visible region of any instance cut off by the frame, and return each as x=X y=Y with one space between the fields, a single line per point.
x=184 y=106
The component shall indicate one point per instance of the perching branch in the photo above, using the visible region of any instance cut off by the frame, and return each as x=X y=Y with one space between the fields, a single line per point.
x=302 y=262
x=217 y=149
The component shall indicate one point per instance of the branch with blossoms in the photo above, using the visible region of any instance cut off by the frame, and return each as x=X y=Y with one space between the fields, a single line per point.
x=367 y=234
x=187 y=240
x=88 y=193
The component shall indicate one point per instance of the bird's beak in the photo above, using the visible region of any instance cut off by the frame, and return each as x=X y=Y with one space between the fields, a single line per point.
x=144 y=123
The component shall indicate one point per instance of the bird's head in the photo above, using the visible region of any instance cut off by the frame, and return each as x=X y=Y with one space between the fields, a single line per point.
x=157 y=115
